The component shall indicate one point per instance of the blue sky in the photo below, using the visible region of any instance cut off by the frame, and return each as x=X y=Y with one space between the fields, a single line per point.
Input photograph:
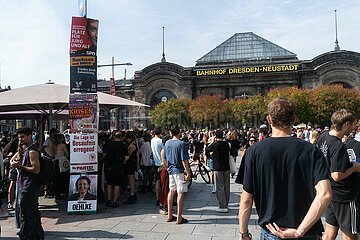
x=34 y=40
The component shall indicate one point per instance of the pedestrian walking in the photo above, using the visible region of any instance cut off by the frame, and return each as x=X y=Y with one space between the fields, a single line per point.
x=177 y=162
x=219 y=151
x=29 y=185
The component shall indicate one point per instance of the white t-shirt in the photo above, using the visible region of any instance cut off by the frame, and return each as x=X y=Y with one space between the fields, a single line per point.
x=145 y=151
x=156 y=146
x=48 y=147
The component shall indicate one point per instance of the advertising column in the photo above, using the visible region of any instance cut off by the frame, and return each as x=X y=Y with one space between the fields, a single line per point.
x=83 y=116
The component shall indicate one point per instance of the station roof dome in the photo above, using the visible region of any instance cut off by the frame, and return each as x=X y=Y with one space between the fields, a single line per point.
x=243 y=47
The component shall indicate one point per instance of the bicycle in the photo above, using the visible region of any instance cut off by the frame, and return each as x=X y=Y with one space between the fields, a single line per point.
x=196 y=167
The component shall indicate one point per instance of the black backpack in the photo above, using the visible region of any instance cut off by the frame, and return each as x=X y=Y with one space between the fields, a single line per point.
x=46 y=174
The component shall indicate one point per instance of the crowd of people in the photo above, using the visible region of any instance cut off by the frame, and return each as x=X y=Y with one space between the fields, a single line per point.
x=280 y=164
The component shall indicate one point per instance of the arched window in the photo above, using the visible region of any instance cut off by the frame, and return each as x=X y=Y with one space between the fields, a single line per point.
x=343 y=84
x=161 y=96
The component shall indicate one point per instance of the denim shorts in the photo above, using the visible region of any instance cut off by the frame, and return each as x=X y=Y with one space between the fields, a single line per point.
x=265 y=235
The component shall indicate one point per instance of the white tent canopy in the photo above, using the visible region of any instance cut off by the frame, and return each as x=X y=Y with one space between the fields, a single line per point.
x=52 y=97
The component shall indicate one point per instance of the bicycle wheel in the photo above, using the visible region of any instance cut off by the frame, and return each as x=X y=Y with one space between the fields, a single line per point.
x=204 y=174
x=191 y=176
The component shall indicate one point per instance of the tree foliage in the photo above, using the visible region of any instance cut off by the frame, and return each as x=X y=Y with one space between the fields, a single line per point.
x=313 y=106
x=208 y=110
x=174 y=111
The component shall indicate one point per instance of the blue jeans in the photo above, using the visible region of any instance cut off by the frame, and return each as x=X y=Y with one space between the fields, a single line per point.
x=264 y=235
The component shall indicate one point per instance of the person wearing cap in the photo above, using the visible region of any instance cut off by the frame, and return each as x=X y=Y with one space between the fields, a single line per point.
x=263 y=130
x=287 y=178
x=219 y=151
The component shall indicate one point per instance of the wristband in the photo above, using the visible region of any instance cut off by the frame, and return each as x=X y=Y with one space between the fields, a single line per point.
x=245 y=234
x=297 y=233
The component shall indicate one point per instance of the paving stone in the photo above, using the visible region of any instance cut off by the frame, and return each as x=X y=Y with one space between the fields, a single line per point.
x=214 y=231
x=135 y=235
x=174 y=228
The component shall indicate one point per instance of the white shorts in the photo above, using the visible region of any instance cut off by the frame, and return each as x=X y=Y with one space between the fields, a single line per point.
x=176 y=183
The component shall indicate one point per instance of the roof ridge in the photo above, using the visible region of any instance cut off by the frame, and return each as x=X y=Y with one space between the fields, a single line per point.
x=245 y=46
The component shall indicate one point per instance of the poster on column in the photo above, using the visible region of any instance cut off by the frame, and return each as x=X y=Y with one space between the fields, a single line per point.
x=82 y=193
x=83 y=112
x=83 y=37
x=83 y=152
x=83 y=74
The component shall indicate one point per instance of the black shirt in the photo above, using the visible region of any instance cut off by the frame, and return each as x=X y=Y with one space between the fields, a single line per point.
x=337 y=159
x=220 y=150
x=281 y=173
x=115 y=154
x=353 y=149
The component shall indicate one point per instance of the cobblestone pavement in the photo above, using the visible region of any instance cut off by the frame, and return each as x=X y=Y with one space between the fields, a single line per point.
x=141 y=220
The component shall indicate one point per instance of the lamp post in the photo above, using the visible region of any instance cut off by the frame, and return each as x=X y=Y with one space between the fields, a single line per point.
x=113 y=121
x=113 y=64
x=112 y=79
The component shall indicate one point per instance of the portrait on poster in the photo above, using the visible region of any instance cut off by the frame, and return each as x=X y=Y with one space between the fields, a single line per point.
x=83 y=37
x=82 y=193
x=83 y=112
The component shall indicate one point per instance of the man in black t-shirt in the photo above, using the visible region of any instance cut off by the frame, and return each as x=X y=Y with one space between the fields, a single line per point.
x=219 y=151
x=288 y=179
x=343 y=210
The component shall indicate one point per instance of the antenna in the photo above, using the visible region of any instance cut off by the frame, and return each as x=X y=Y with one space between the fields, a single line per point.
x=163 y=54
x=337 y=47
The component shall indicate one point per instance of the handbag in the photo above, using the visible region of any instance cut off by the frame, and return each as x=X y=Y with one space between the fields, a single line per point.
x=64 y=164
x=232 y=165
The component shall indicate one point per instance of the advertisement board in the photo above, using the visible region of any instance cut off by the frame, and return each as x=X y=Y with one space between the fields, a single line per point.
x=83 y=152
x=82 y=193
x=83 y=37
x=83 y=112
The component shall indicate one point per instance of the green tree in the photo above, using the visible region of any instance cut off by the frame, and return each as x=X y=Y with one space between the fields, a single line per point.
x=301 y=98
x=327 y=99
x=208 y=110
x=174 y=111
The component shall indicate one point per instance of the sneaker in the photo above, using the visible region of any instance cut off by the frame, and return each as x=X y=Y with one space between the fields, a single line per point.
x=222 y=210
x=163 y=210
x=10 y=206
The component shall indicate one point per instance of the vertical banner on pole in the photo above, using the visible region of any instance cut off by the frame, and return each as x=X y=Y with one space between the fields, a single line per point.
x=83 y=152
x=83 y=116
x=83 y=112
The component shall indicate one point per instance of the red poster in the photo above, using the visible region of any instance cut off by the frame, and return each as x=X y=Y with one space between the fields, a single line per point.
x=112 y=86
x=83 y=37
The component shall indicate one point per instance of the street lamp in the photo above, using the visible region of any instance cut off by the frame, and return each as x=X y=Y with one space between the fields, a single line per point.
x=113 y=64
x=113 y=120
x=112 y=79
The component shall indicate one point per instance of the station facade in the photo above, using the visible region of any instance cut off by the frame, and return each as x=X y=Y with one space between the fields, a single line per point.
x=244 y=65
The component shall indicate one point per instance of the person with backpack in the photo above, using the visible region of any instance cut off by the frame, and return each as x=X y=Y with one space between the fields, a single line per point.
x=28 y=187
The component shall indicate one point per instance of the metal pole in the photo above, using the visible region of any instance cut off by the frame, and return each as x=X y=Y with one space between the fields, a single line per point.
x=112 y=68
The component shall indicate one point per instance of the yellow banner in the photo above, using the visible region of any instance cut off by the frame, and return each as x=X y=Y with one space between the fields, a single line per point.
x=82 y=61
x=246 y=70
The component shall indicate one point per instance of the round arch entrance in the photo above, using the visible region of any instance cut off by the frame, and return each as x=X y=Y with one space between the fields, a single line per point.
x=343 y=84
x=161 y=96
